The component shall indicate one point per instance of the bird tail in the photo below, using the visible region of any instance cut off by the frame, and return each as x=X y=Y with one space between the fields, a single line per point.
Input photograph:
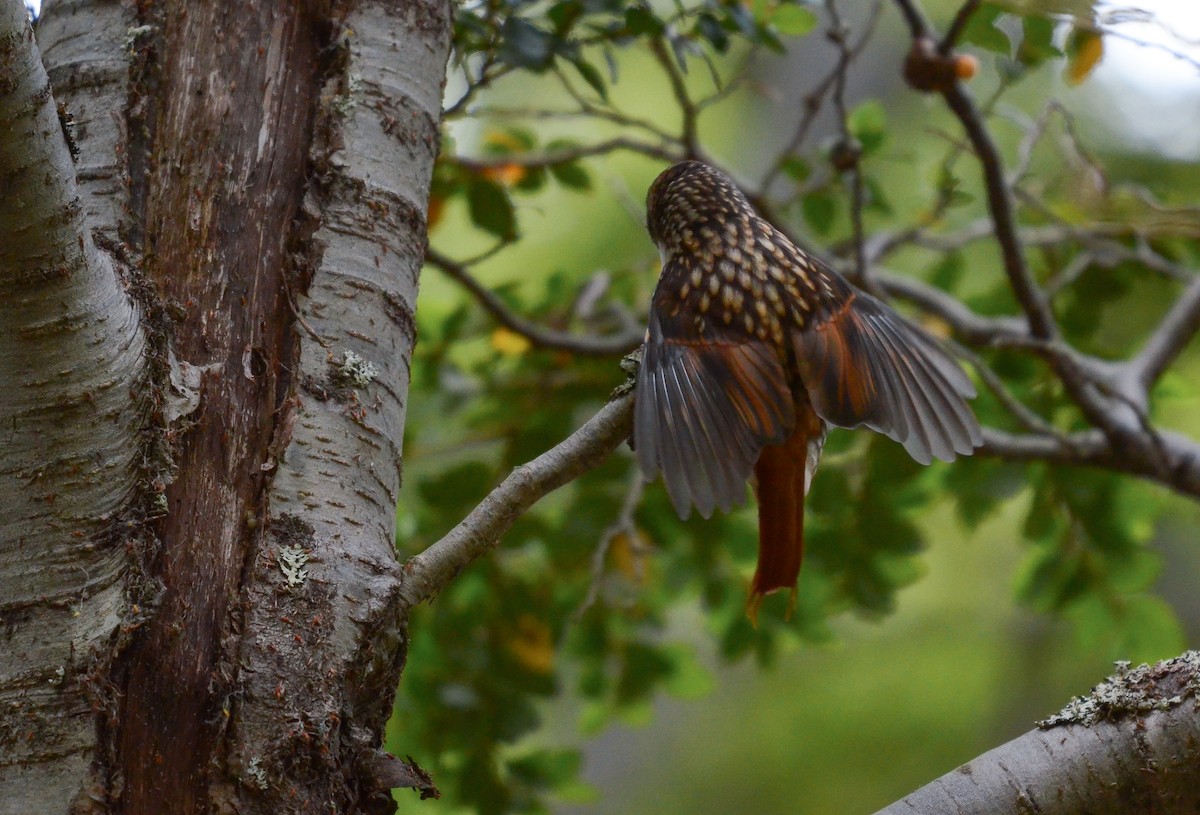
x=783 y=472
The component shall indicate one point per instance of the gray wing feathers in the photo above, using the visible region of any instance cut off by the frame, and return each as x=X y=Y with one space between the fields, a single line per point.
x=702 y=414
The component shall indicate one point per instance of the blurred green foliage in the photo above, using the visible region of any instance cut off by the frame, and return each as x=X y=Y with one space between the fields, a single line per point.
x=589 y=596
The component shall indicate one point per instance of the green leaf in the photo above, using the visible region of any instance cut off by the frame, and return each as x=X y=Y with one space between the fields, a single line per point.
x=981 y=30
x=641 y=21
x=491 y=209
x=819 y=210
x=948 y=272
x=591 y=76
x=1037 y=44
x=796 y=168
x=564 y=14
x=874 y=198
x=710 y=28
x=532 y=181
x=572 y=175
x=690 y=679
x=793 y=20
x=868 y=123
x=524 y=45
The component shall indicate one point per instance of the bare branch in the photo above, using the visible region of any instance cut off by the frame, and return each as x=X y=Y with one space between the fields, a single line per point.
x=1129 y=747
x=971 y=328
x=427 y=573
x=999 y=196
x=813 y=102
x=849 y=151
x=1177 y=328
x=687 y=108
x=1031 y=298
x=914 y=18
x=535 y=161
x=957 y=26
x=1088 y=447
x=613 y=345
x=623 y=525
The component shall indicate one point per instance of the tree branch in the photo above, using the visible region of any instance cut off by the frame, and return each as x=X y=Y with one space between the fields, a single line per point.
x=1167 y=342
x=1031 y=298
x=535 y=161
x=687 y=108
x=849 y=149
x=429 y=572
x=973 y=329
x=957 y=26
x=613 y=345
x=813 y=101
x=77 y=452
x=1087 y=447
x=1132 y=746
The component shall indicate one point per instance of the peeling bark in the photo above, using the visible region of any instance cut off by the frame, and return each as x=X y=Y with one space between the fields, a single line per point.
x=338 y=468
x=228 y=166
x=266 y=167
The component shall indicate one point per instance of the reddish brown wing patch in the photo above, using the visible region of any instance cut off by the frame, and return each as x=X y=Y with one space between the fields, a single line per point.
x=863 y=365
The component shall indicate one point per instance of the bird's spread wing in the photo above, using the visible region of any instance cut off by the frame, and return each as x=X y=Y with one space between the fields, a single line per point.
x=862 y=364
x=704 y=410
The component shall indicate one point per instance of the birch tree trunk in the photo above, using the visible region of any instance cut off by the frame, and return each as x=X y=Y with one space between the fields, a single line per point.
x=207 y=322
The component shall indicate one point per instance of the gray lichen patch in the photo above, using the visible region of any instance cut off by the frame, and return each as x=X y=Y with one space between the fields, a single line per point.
x=355 y=370
x=292 y=560
x=1139 y=690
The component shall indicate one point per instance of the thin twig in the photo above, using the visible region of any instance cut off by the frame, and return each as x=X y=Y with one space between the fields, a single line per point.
x=687 y=108
x=1032 y=299
x=971 y=328
x=957 y=26
x=912 y=16
x=1169 y=339
x=1027 y=418
x=613 y=345
x=838 y=34
x=814 y=100
x=623 y=525
x=532 y=161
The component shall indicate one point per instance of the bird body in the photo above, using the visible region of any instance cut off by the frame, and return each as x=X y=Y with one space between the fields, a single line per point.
x=753 y=349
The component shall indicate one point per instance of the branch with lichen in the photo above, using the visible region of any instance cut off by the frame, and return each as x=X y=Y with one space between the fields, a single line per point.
x=1131 y=745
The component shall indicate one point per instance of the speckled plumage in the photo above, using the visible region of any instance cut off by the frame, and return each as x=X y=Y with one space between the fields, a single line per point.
x=753 y=348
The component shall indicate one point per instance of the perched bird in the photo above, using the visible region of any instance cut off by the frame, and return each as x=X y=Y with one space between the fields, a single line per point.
x=753 y=349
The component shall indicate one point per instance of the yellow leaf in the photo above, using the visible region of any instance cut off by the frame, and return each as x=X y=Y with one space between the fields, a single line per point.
x=1086 y=49
x=509 y=343
x=937 y=327
x=436 y=206
x=531 y=644
x=507 y=174
x=503 y=139
x=626 y=554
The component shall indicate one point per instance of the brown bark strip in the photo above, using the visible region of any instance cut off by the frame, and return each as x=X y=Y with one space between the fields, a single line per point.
x=237 y=84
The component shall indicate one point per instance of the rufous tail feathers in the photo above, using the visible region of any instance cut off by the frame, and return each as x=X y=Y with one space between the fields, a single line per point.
x=782 y=481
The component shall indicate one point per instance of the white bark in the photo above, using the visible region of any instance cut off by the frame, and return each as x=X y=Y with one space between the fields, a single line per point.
x=324 y=589
x=86 y=46
x=1132 y=745
x=74 y=399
